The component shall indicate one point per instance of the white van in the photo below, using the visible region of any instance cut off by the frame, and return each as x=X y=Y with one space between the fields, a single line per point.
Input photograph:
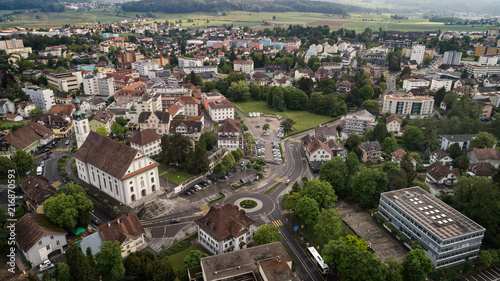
x=39 y=171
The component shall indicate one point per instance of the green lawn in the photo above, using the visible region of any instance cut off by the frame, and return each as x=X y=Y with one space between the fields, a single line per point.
x=177 y=260
x=162 y=168
x=305 y=120
x=177 y=177
x=8 y=124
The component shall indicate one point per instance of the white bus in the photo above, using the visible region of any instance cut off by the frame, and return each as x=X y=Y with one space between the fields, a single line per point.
x=318 y=260
x=39 y=170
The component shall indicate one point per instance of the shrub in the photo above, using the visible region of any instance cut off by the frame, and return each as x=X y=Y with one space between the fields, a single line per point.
x=96 y=195
x=105 y=201
x=115 y=208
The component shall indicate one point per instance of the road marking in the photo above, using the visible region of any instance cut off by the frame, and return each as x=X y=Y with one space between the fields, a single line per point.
x=62 y=149
x=493 y=269
x=486 y=271
x=262 y=225
x=57 y=184
x=205 y=208
x=279 y=180
x=277 y=223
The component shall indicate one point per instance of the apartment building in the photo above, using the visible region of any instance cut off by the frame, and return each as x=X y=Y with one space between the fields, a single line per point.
x=447 y=237
x=65 y=81
x=452 y=57
x=358 y=123
x=99 y=85
x=41 y=97
x=229 y=134
x=417 y=53
x=207 y=98
x=158 y=121
x=245 y=66
x=437 y=84
x=403 y=105
x=148 y=103
x=14 y=45
x=189 y=62
x=146 y=141
x=201 y=69
x=220 y=110
x=144 y=67
x=412 y=83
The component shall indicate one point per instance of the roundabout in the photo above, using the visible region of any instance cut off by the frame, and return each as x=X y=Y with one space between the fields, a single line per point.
x=251 y=202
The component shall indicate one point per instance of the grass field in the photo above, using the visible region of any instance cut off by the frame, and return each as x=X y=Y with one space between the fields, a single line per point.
x=8 y=124
x=176 y=177
x=241 y=18
x=305 y=120
x=177 y=260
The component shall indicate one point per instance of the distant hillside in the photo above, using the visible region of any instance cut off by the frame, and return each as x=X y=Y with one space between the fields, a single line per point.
x=191 y=6
x=44 y=5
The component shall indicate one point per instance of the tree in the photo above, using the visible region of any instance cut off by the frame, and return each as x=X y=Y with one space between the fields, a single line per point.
x=390 y=144
x=352 y=163
x=35 y=112
x=238 y=90
x=335 y=172
x=5 y=166
x=394 y=270
x=454 y=150
x=61 y=210
x=198 y=162
x=193 y=258
x=366 y=92
x=265 y=127
x=483 y=140
x=292 y=200
x=121 y=120
x=407 y=166
x=78 y=264
x=416 y=265
x=396 y=179
x=266 y=234
x=287 y=124
x=23 y=161
x=372 y=106
x=321 y=191
x=255 y=91
x=83 y=203
x=109 y=261
x=367 y=186
x=220 y=169
x=62 y=272
x=102 y=131
x=175 y=149
x=380 y=132
x=208 y=139
x=328 y=225
x=352 y=141
x=118 y=130
x=307 y=209
x=406 y=70
x=306 y=85
x=413 y=138
x=428 y=60
x=228 y=161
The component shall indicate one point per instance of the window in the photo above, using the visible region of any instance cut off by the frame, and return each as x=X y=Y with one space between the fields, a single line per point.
x=131 y=189
x=51 y=237
x=152 y=179
x=57 y=243
x=48 y=247
x=40 y=242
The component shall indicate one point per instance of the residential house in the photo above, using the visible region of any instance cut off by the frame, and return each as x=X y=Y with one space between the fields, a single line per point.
x=443 y=157
x=146 y=141
x=220 y=110
x=127 y=230
x=303 y=73
x=206 y=98
x=325 y=133
x=6 y=106
x=104 y=118
x=486 y=108
x=485 y=155
x=245 y=66
x=66 y=109
x=26 y=138
x=62 y=97
x=337 y=148
x=24 y=108
x=189 y=106
x=397 y=156
x=372 y=151
x=118 y=170
x=60 y=124
x=130 y=93
x=97 y=104
x=462 y=140
x=37 y=190
x=441 y=179
x=481 y=169
x=393 y=124
x=151 y=102
x=229 y=134
x=317 y=152
x=158 y=121
x=13 y=117
x=344 y=86
x=225 y=229
x=37 y=238
x=264 y=262
x=188 y=128
x=358 y=123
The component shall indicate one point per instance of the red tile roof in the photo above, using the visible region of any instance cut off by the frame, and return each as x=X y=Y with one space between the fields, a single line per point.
x=144 y=137
x=28 y=134
x=32 y=227
x=38 y=189
x=229 y=126
x=317 y=144
x=487 y=153
x=398 y=154
x=128 y=226
x=63 y=108
x=224 y=222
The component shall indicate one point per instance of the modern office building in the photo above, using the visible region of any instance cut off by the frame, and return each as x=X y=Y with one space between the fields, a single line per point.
x=447 y=237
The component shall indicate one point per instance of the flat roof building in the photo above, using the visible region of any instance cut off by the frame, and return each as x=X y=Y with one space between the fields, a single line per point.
x=448 y=237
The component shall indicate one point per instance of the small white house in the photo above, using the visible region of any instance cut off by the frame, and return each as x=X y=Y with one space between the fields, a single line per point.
x=147 y=141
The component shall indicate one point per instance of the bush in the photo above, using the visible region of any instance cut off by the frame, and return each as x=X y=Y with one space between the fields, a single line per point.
x=252 y=160
x=249 y=165
x=105 y=201
x=96 y=195
x=115 y=208
x=257 y=167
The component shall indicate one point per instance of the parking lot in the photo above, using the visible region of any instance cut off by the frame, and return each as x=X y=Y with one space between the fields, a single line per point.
x=268 y=150
x=490 y=274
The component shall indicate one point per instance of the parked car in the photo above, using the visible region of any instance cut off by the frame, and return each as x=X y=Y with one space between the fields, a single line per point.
x=197 y=187
x=224 y=177
x=96 y=221
x=67 y=142
x=187 y=193
x=203 y=183
x=208 y=182
x=257 y=126
x=46 y=265
x=174 y=221
x=46 y=150
x=46 y=157
x=49 y=152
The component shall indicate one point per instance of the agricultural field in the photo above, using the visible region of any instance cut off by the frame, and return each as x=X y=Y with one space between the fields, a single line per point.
x=241 y=18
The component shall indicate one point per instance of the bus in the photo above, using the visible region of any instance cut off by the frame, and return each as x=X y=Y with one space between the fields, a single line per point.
x=318 y=260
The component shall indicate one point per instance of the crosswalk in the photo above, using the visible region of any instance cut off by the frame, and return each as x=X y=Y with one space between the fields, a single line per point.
x=57 y=184
x=294 y=140
x=278 y=223
x=62 y=149
x=280 y=180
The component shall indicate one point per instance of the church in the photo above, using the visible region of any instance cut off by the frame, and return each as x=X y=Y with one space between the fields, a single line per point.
x=118 y=170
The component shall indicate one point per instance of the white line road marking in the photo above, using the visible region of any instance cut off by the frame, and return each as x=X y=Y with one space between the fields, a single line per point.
x=298 y=256
x=473 y=277
x=486 y=271
x=493 y=268
x=482 y=273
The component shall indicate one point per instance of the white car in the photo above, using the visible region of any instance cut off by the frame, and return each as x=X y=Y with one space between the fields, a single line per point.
x=42 y=163
x=46 y=265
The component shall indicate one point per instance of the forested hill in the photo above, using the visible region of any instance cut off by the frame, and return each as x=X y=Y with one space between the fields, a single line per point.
x=44 y=5
x=184 y=6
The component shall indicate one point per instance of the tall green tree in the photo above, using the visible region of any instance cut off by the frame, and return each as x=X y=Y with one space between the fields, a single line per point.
x=328 y=225
x=62 y=210
x=406 y=165
x=396 y=179
x=413 y=138
x=394 y=270
x=287 y=124
x=23 y=161
x=193 y=258
x=5 y=166
x=35 y=112
x=78 y=264
x=266 y=234
x=307 y=209
x=380 y=132
x=121 y=120
x=198 y=162
x=390 y=144
x=483 y=140
x=63 y=272
x=321 y=191
x=335 y=172
x=366 y=92
x=109 y=261
x=208 y=139
x=416 y=265
x=238 y=91
x=367 y=186
x=292 y=200
x=372 y=106
x=175 y=149
x=102 y=131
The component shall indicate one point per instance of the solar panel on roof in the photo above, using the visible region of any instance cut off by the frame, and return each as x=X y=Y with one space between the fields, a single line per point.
x=415 y=202
x=426 y=213
x=421 y=209
x=433 y=217
x=440 y=222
